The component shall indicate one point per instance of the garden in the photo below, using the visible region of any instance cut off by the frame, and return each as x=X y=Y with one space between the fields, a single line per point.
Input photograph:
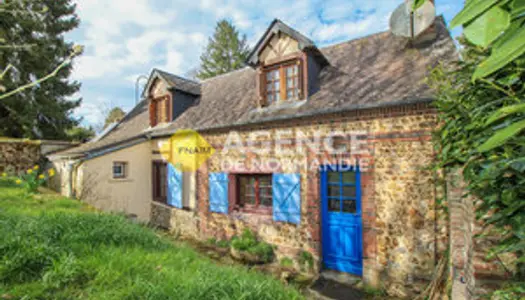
x=53 y=247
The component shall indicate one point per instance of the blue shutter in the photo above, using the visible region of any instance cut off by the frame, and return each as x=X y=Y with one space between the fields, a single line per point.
x=218 y=183
x=287 y=197
x=174 y=186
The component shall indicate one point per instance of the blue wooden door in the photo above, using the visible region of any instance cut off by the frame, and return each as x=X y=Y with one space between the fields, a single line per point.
x=341 y=214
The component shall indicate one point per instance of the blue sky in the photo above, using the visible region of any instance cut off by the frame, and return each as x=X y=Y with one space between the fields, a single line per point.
x=124 y=39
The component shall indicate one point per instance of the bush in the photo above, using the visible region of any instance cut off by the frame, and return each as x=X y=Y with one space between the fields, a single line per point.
x=33 y=179
x=248 y=242
x=306 y=260
x=286 y=262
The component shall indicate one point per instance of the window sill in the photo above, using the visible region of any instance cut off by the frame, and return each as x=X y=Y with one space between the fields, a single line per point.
x=281 y=105
x=252 y=210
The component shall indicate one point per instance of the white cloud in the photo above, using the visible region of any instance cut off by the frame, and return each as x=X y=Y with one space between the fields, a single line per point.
x=124 y=39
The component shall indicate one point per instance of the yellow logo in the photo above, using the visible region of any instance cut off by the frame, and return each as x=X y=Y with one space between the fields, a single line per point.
x=186 y=150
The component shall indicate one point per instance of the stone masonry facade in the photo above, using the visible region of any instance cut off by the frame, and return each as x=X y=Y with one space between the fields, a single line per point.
x=18 y=155
x=473 y=275
x=400 y=232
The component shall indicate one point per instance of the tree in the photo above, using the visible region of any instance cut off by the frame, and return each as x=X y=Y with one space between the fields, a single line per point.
x=116 y=114
x=226 y=51
x=80 y=134
x=481 y=101
x=35 y=62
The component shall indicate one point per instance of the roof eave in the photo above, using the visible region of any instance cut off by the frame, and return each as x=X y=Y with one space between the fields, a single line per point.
x=300 y=115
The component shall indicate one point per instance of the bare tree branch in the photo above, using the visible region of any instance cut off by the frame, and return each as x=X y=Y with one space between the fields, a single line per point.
x=76 y=51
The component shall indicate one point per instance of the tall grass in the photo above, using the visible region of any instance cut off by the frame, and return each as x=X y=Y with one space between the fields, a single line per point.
x=56 y=248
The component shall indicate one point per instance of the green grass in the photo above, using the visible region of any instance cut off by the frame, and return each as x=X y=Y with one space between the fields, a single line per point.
x=56 y=248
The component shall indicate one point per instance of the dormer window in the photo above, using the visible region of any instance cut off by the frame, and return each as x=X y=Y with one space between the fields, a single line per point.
x=288 y=66
x=160 y=110
x=283 y=82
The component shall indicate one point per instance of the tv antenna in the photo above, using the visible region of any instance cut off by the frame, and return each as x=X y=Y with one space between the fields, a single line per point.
x=410 y=23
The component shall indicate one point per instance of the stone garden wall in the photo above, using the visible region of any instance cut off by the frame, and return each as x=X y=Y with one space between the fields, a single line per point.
x=18 y=155
x=473 y=275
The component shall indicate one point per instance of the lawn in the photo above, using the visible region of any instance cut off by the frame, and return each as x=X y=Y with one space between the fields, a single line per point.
x=57 y=248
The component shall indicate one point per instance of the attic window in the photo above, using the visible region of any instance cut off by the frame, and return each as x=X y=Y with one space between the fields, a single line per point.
x=160 y=110
x=282 y=82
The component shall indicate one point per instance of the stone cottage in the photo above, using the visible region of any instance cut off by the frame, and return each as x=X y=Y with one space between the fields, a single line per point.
x=316 y=149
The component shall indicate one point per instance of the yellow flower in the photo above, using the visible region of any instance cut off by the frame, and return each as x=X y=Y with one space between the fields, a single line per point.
x=4 y=174
x=41 y=176
x=29 y=171
x=36 y=168
x=18 y=181
x=51 y=172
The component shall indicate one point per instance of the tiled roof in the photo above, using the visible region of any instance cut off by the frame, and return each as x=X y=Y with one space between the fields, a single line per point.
x=377 y=70
x=180 y=83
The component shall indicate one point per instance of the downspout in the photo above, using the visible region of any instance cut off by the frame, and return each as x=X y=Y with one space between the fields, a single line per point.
x=72 y=170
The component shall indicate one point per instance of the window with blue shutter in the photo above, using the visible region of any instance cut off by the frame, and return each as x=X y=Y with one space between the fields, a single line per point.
x=218 y=183
x=287 y=198
x=174 y=186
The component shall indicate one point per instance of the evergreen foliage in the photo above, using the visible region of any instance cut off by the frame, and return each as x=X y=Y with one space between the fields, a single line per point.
x=115 y=114
x=226 y=51
x=33 y=44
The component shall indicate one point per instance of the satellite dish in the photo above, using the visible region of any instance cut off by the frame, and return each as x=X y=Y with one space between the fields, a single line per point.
x=407 y=23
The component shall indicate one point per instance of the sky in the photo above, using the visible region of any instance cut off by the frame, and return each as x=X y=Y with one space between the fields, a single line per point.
x=125 y=39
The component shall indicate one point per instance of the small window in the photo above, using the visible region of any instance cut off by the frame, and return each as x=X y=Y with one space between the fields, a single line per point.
x=282 y=82
x=342 y=192
x=120 y=169
x=255 y=193
x=159 y=182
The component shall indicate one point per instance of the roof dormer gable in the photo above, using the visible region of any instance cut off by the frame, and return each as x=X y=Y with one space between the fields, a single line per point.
x=287 y=63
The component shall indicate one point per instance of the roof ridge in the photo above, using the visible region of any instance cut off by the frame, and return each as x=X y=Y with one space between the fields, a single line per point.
x=355 y=40
x=225 y=74
x=175 y=75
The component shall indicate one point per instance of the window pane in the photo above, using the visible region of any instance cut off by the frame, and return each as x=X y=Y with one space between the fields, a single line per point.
x=276 y=74
x=349 y=191
x=289 y=94
x=334 y=205
x=290 y=83
x=333 y=177
x=349 y=206
x=270 y=98
x=269 y=87
x=249 y=200
x=333 y=190
x=276 y=86
x=289 y=72
x=265 y=201
x=269 y=76
x=349 y=177
x=277 y=96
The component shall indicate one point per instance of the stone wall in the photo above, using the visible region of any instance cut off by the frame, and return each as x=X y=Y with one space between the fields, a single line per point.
x=473 y=275
x=18 y=155
x=400 y=231
x=177 y=221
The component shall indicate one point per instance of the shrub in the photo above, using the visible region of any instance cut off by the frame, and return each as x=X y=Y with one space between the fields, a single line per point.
x=306 y=260
x=218 y=243
x=33 y=179
x=248 y=242
x=286 y=262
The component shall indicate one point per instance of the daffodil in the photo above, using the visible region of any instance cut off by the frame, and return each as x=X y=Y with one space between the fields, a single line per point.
x=51 y=172
x=4 y=174
x=30 y=171
x=41 y=176
x=18 y=181
x=36 y=168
